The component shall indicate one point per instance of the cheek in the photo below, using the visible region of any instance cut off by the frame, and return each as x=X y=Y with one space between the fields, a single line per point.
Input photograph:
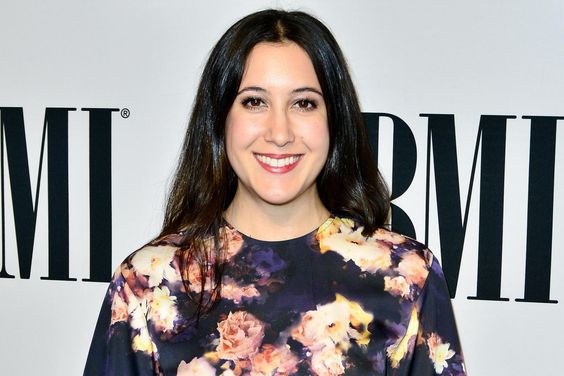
x=239 y=134
x=316 y=137
x=229 y=140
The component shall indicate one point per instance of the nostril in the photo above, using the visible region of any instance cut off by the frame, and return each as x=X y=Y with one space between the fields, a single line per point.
x=280 y=133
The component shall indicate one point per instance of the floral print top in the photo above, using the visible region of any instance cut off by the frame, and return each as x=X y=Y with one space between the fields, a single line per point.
x=332 y=302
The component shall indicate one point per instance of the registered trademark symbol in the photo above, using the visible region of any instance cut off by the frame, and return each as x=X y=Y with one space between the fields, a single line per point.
x=125 y=113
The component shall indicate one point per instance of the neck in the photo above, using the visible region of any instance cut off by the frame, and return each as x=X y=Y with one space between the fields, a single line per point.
x=261 y=220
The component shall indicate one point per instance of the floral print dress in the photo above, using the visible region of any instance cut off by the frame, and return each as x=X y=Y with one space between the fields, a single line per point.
x=332 y=302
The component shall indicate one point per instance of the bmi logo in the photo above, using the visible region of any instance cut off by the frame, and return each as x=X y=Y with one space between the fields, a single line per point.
x=489 y=146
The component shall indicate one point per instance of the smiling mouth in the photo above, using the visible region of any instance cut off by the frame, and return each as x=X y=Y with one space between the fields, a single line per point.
x=278 y=163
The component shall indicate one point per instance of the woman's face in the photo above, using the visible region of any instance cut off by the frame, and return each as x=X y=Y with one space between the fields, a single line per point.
x=277 y=137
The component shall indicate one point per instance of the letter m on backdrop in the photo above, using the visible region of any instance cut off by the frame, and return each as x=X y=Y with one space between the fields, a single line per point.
x=13 y=146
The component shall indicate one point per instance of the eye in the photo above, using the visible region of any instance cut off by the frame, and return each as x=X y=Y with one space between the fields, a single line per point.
x=305 y=104
x=253 y=103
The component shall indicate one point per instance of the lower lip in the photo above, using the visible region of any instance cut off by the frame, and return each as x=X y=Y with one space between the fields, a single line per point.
x=279 y=170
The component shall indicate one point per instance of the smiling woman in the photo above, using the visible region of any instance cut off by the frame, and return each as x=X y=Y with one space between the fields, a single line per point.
x=273 y=259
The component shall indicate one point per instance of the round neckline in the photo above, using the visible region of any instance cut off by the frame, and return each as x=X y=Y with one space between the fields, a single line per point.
x=246 y=237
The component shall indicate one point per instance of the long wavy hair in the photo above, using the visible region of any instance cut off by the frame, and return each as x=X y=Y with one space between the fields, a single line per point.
x=204 y=183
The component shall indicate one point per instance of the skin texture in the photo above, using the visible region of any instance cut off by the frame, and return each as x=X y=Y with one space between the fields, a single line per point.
x=279 y=113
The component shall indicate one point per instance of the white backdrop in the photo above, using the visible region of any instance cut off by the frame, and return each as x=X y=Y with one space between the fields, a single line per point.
x=466 y=58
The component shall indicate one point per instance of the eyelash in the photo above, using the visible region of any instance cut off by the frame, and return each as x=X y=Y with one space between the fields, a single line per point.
x=246 y=102
x=310 y=104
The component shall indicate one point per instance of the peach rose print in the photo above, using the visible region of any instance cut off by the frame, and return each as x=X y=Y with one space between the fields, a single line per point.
x=232 y=291
x=119 y=309
x=234 y=241
x=240 y=335
x=273 y=360
x=414 y=268
x=388 y=236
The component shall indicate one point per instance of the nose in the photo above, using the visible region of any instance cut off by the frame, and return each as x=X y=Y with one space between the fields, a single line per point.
x=279 y=131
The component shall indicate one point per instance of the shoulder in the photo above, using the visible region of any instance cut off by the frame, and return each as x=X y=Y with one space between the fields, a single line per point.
x=342 y=232
x=171 y=262
x=403 y=262
x=149 y=277
x=154 y=265
x=143 y=294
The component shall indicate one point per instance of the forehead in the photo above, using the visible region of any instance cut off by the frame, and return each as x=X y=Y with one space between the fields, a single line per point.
x=282 y=64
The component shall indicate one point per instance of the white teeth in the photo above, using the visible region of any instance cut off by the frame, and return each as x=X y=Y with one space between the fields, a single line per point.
x=277 y=162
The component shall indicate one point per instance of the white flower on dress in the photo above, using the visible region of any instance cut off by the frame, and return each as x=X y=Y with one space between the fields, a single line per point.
x=137 y=310
x=439 y=352
x=397 y=286
x=327 y=332
x=367 y=253
x=196 y=367
x=154 y=262
x=162 y=309
x=327 y=362
x=143 y=342
x=326 y=326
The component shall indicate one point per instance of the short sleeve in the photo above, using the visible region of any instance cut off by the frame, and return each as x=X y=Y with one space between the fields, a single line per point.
x=121 y=344
x=437 y=348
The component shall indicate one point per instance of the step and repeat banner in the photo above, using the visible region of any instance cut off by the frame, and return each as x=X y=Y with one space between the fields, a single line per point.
x=464 y=103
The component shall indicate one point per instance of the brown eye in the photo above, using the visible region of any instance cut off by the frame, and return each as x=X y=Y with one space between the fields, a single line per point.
x=253 y=102
x=306 y=104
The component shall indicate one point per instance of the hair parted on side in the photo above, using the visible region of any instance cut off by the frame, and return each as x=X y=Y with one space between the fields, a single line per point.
x=204 y=183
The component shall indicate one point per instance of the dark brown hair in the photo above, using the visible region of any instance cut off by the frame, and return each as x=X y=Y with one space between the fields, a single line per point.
x=204 y=183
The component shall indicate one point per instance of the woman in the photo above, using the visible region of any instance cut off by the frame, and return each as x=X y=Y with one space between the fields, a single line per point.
x=272 y=259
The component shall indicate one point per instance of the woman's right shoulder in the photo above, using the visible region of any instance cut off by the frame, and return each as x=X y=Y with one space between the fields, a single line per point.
x=155 y=264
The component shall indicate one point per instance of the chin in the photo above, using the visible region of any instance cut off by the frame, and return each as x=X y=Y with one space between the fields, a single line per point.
x=279 y=201
x=279 y=198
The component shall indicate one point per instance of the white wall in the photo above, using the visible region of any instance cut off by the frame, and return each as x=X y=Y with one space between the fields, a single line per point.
x=466 y=58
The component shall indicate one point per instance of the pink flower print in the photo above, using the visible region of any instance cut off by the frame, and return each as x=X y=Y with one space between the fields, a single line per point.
x=240 y=335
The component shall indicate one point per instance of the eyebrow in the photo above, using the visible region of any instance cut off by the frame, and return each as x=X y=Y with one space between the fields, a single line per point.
x=295 y=91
